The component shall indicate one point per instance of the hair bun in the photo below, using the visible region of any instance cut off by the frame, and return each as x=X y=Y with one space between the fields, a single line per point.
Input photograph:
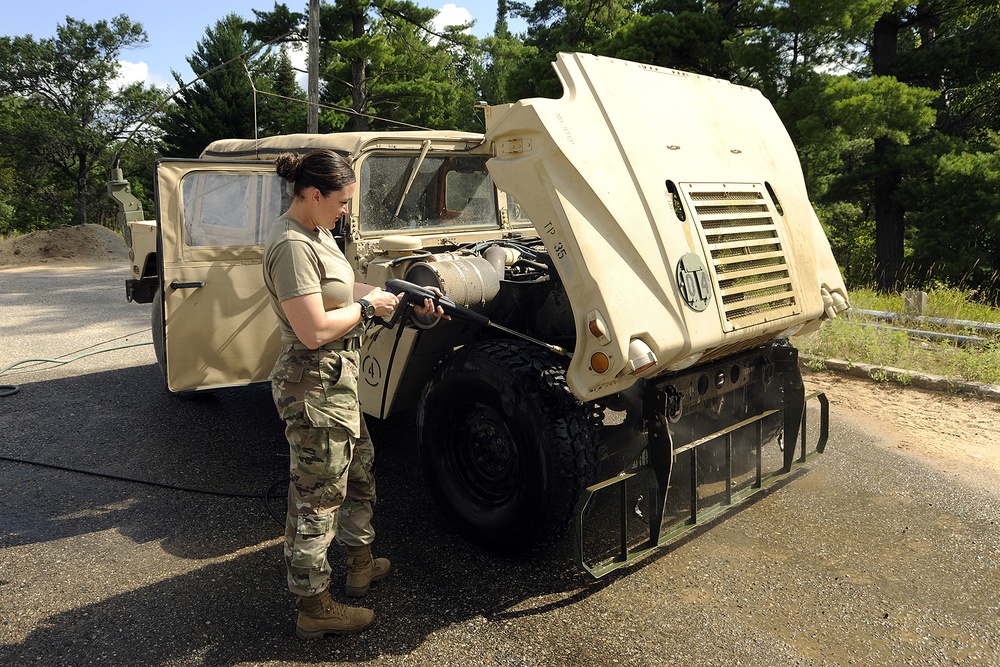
x=288 y=166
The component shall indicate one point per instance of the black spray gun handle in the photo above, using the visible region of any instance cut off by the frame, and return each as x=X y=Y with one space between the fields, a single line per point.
x=410 y=293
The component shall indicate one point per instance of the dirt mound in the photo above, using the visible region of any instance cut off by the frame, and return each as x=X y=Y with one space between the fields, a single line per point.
x=80 y=245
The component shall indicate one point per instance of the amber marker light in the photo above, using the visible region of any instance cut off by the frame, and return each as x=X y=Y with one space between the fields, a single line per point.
x=600 y=363
x=598 y=329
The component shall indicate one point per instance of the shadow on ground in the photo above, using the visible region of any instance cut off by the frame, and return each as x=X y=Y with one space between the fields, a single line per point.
x=123 y=423
x=235 y=608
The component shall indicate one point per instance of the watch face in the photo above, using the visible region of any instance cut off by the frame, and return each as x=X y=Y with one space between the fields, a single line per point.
x=367 y=309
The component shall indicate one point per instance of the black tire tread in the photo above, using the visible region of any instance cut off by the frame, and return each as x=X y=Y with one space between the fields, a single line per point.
x=539 y=376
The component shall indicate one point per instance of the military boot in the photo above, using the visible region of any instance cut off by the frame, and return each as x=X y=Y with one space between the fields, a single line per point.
x=362 y=569
x=319 y=615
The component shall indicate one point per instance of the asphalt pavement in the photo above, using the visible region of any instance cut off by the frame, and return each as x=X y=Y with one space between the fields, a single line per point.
x=145 y=538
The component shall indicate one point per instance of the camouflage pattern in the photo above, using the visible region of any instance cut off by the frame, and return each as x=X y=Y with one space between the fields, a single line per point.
x=331 y=489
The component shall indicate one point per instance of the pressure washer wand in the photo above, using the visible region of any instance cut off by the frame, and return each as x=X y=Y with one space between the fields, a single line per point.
x=549 y=346
x=410 y=290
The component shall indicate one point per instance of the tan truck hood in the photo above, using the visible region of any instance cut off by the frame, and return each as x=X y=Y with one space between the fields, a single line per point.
x=676 y=212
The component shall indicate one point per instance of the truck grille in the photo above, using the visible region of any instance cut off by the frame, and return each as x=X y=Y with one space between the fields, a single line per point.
x=747 y=257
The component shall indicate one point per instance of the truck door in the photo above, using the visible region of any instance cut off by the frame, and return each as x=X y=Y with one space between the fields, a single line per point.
x=218 y=329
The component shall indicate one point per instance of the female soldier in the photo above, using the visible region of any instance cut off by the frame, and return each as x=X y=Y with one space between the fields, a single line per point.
x=321 y=313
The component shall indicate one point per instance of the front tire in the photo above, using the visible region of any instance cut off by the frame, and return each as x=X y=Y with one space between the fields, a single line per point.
x=506 y=448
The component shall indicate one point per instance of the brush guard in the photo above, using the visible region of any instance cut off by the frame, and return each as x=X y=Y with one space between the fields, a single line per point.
x=658 y=458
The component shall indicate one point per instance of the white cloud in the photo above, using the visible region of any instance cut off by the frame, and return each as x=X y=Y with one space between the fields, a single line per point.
x=451 y=14
x=299 y=57
x=129 y=73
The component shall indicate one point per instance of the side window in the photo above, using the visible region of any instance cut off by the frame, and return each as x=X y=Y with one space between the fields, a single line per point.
x=517 y=215
x=230 y=209
x=404 y=193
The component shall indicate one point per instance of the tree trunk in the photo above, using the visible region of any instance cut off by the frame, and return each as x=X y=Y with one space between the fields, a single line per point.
x=501 y=29
x=359 y=95
x=80 y=214
x=889 y=217
x=889 y=213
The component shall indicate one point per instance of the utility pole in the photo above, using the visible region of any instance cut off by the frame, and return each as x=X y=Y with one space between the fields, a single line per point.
x=312 y=117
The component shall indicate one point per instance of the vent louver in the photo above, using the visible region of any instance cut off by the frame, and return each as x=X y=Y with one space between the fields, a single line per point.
x=747 y=258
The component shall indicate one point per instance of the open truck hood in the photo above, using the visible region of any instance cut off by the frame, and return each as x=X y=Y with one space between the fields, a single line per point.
x=676 y=213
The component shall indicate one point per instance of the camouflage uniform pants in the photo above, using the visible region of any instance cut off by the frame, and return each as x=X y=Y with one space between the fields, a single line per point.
x=331 y=489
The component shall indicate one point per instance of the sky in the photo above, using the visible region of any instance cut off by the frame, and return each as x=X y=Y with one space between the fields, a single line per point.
x=175 y=26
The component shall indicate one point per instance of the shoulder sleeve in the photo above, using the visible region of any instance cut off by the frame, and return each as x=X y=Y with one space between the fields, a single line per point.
x=294 y=269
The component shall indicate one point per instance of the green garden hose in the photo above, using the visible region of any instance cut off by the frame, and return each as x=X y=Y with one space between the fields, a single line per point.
x=11 y=389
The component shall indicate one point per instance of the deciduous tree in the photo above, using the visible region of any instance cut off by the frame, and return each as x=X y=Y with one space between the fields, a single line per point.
x=61 y=116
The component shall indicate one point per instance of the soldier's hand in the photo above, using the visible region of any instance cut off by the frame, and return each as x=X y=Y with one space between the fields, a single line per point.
x=428 y=308
x=385 y=302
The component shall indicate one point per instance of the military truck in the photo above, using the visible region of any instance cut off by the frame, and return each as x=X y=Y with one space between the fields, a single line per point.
x=637 y=254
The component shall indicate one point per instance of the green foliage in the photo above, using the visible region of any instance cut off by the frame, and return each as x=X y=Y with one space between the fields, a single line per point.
x=61 y=119
x=494 y=76
x=961 y=190
x=693 y=41
x=8 y=176
x=413 y=77
x=878 y=107
x=220 y=105
x=282 y=109
x=382 y=66
x=955 y=47
x=835 y=121
x=554 y=27
x=852 y=237
x=978 y=108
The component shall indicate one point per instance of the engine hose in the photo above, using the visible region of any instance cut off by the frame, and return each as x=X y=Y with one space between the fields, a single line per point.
x=11 y=389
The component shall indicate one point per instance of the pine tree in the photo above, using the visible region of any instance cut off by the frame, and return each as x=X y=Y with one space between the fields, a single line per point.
x=220 y=105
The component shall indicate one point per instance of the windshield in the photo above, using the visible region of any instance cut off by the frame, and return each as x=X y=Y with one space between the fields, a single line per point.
x=404 y=193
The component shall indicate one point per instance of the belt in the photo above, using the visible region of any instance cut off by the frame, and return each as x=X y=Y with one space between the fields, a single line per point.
x=340 y=345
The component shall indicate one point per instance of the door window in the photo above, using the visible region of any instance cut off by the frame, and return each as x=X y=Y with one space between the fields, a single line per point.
x=230 y=209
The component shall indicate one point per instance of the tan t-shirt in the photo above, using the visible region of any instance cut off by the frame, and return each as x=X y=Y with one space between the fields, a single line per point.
x=299 y=261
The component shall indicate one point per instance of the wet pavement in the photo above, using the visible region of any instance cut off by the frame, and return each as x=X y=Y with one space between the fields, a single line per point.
x=127 y=554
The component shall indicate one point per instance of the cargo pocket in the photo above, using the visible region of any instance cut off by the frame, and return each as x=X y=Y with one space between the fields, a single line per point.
x=287 y=387
x=309 y=550
x=337 y=402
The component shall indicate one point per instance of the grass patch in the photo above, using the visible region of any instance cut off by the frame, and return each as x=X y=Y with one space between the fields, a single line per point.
x=848 y=337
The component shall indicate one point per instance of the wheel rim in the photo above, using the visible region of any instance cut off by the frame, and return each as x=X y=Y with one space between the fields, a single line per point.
x=483 y=456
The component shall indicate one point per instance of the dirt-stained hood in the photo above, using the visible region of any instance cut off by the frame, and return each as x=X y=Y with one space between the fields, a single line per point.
x=675 y=210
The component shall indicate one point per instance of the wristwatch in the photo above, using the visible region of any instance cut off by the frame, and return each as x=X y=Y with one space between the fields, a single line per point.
x=367 y=310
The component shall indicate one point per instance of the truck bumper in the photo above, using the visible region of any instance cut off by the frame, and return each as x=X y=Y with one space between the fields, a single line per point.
x=681 y=477
x=141 y=290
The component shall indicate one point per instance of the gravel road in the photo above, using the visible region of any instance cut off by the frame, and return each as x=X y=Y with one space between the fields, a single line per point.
x=871 y=557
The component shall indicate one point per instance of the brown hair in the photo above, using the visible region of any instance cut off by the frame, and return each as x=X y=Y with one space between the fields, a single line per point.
x=321 y=169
